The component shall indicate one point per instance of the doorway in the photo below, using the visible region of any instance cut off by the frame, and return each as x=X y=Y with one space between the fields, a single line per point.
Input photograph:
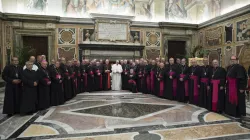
x=36 y=45
x=176 y=49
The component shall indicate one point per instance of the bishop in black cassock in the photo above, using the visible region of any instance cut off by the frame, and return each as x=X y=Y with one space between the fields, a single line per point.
x=57 y=94
x=235 y=89
x=203 y=84
x=216 y=88
x=30 y=80
x=182 y=84
x=44 y=87
x=67 y=87
x=106 y=76
x=13 y=89
x=194 y=73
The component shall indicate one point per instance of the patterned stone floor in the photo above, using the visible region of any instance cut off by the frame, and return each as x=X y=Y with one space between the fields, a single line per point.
x=122 y=115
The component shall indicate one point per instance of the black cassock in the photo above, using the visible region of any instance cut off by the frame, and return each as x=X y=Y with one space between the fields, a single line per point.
x=90 y=79
x=78 y=77
x=67 y=86
x=139 y=80
x=236 y=81
x=147 y=84
x=194 y=73
x=43 y=89
x=125 y=76
x=170 y=91
x=84 y=82
x=182 y=90
x=153 y=81
x=106 y=82
x=204 y=81
x=73 y=78
x=132 y=80
x=29 y=95
x=98 y=77
x=57 y=94
x=159 y=86
x=215 y=98
x=12 y=91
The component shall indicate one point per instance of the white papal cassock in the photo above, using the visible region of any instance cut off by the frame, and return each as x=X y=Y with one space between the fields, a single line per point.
x=116 y=77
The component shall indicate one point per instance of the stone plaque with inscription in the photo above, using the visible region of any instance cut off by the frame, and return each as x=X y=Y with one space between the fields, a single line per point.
x=112 y=31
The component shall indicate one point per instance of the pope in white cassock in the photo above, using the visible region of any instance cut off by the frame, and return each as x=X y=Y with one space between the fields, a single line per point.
x=116 y=76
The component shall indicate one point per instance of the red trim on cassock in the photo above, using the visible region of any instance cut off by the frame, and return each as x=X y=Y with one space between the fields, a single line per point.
x=215 y=89
x=185 y=84
x=232 y=87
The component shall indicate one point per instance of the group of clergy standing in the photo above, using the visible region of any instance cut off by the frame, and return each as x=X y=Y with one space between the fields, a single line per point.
x=37 y=86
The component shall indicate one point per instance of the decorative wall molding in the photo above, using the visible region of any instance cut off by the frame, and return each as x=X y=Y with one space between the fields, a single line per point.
x=230 y=15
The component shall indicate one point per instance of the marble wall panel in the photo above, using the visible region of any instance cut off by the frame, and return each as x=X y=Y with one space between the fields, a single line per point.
x=68 y=52
x=152 y=53
x=66 y=36
x=153 y=39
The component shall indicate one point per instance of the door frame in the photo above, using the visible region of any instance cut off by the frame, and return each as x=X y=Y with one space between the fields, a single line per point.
x=187 y=39
x=18 y=39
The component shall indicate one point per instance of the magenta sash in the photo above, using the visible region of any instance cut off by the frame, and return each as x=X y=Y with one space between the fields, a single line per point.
x=132 y=82
x=161 y=88
x=185 y=84
x=232 y=87
x=152 y=74
x=174 y=83
x=148 y=83
x=215 y=94
x=204 y=80
x=195 y=78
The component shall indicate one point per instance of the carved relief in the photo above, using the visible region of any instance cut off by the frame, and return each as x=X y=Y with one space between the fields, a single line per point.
x=91 y=34
x=68 y=52
x=152 y=53
x=136 y=36
x=214 y=36
x=34 y=25
x=153 y=39
x=66 y=36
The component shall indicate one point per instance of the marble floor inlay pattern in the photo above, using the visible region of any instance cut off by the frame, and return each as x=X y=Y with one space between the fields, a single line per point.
x=121 y=115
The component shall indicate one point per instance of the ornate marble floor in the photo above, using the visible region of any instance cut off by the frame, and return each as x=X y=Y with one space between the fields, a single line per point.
x=122 y=116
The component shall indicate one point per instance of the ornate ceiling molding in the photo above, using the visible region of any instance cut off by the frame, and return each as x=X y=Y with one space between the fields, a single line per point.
x=25 y=17
x=230 y=15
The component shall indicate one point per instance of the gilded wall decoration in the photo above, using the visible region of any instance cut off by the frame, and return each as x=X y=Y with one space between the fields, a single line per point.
x=229 y=33
x=213 y=36
x=68 y=52
x=153 y=39
x=66 y=36
x=201 y=36
x=88 y=34
x=245 y=57
x=243 y=30
x=239 y=50
x=228 y=54
x=214 y=54
x=152 y=53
